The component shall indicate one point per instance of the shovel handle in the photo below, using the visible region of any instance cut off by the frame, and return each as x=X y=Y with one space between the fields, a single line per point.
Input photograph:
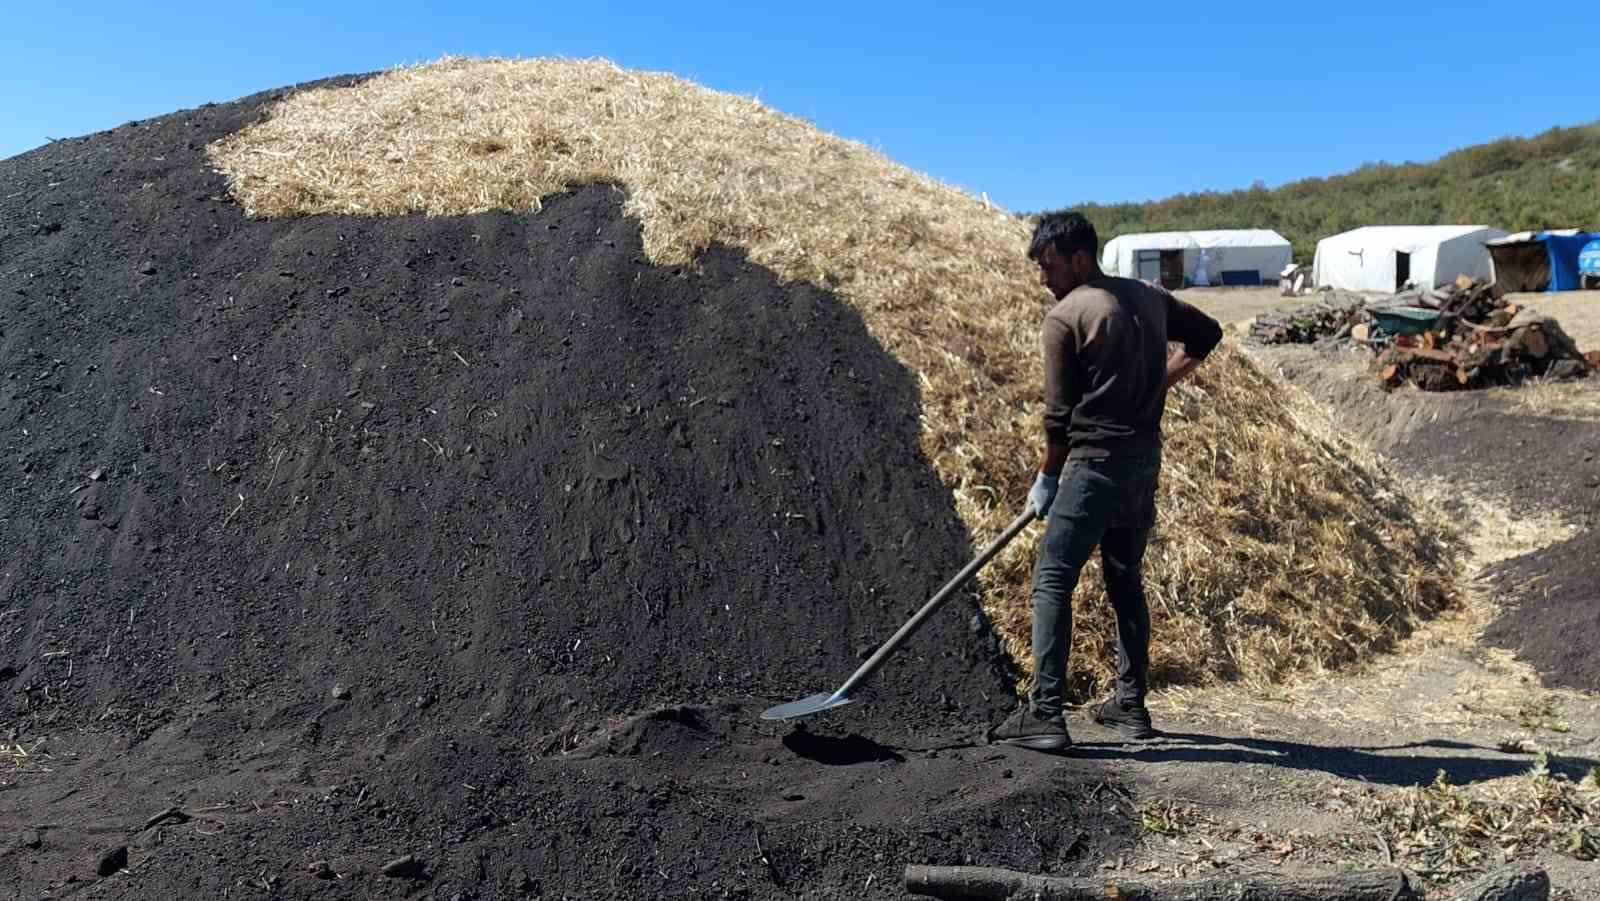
x=915 y=622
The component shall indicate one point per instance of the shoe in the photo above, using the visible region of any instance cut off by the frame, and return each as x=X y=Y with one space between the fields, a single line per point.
x=1132 y=721
x=1025 y=730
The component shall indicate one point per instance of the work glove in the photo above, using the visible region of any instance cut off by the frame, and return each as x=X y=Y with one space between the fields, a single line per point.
x=1042 y=494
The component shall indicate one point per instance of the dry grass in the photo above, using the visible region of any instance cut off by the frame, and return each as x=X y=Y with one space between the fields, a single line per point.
x=1569 y=399
x=1277 y=550
x=1439 y=674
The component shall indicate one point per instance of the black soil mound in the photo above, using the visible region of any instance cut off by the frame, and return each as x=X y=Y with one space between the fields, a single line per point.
x=496 y=464
x=1553 y=600
x=423 y=528
x=1531 y=463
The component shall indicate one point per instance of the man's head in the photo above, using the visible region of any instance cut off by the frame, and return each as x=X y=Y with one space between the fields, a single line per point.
x=1064 y=245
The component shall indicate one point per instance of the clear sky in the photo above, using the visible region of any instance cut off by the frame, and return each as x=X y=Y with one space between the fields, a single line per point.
x=1037 y=104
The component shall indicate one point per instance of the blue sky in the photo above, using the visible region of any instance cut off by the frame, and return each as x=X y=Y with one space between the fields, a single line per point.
x=1039 y=105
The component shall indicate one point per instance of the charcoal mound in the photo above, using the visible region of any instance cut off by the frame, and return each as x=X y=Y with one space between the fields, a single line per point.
x=493 y=469
x=1533 y=462
x=478 y=539
x=1553 y=602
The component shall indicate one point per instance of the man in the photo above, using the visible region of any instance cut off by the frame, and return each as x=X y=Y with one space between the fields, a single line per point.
x=1107 y=373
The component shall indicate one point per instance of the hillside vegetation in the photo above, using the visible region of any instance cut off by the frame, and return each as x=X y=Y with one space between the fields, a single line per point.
x=1548 y=181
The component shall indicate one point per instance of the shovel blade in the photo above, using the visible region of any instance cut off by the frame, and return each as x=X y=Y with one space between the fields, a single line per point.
x=806 y=706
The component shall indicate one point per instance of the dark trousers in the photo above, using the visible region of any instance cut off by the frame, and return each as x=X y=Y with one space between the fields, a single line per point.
x=1110 y=504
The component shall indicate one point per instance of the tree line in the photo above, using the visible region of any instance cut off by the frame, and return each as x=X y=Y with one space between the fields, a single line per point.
x=1548 y=181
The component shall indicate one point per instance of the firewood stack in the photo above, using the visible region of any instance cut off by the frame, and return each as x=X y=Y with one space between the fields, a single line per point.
x=1479 y=341
x=1333 y=315
x=1462 y=335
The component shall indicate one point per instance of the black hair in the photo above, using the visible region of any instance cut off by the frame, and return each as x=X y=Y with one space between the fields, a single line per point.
x=1067 y=231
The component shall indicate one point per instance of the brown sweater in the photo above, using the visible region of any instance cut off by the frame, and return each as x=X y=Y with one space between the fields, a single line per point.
x=1105 y=364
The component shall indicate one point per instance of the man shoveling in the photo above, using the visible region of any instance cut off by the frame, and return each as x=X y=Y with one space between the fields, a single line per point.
x=1107 y=373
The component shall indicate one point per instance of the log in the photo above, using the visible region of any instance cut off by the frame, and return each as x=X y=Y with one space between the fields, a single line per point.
x=1534 y=342
x=1434 y=378
x=1426 y=353
x=1508 y=884
x=1361 y=331
x=995 y=884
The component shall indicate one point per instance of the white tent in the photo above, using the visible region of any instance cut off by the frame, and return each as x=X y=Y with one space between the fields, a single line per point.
x=1388 y=257
x=1227 y=256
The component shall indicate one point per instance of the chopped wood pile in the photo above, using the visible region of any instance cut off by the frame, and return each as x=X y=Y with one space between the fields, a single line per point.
x=1463 y=335
x=1333 y=315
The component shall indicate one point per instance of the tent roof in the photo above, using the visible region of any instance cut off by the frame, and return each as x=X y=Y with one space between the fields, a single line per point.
x=1227 y=237
x=1407 y=234
x=1524 y=237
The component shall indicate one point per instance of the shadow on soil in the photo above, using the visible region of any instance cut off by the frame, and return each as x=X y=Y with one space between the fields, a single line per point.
x=832 y=750
x=1403 y=764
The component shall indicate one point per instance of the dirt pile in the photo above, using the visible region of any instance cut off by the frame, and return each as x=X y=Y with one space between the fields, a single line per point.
x=497 y=464
x=481 y=538
x=352 y=513
x=1270 y=556
x=1551 y=596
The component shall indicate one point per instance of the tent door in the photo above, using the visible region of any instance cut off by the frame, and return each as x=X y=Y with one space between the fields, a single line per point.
x=1147 y=265
x=1402 y=269
x=1171 y=268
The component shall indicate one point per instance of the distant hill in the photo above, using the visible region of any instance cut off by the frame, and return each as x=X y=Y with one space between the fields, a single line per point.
x=1548 y=181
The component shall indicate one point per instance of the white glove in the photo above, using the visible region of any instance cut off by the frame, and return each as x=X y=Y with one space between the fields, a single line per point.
x=1042 y=494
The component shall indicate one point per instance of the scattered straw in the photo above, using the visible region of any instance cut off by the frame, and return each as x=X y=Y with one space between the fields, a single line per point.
x=17 y=761
x=1277 y=549
x=1561 y=399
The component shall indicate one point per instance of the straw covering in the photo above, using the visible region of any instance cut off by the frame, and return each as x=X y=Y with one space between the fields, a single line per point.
x=1278 y=549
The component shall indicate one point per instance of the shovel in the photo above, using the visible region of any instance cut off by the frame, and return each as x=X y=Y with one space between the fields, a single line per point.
x=827 y=700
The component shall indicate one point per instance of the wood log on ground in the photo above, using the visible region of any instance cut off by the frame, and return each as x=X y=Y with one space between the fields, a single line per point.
x=1530 y=341
x=1429 y=354
x=1508 y=884
x=1434 y=376
x=994 y=884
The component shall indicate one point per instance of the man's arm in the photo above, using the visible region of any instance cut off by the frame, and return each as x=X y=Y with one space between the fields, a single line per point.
x=1055 y=457
x=1198 y=333
x=1060 y=351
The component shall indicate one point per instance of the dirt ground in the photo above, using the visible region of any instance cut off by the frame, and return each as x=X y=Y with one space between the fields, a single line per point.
x=1519 y=470
x=301 y=591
